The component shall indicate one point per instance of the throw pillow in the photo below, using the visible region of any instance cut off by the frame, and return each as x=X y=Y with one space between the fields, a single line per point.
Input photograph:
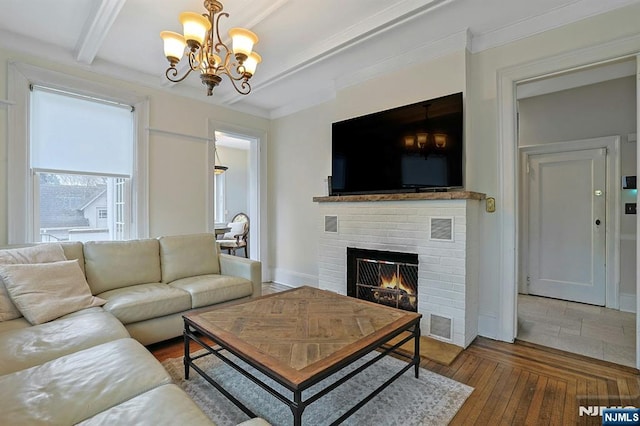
x=46 y=291
x=236 y=228
x=43 y=253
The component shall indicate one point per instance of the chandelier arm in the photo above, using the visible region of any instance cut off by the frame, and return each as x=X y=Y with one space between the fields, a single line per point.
x=226 y=15
x=231 y=75
x=245 y=87
x=194 y=63
x=172 y=71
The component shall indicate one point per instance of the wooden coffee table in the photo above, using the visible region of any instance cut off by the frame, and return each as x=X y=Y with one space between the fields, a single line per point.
x=298 y=338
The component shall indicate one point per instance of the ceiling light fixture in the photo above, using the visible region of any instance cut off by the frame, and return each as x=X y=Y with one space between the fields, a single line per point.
x=218 y=168
x=205 y=47
x=425 y=139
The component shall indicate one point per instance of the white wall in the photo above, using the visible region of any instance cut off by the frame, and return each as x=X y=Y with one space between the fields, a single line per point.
x=178 y=171
x=602 y=109
x=300 y=150
x=300 y=157
x=236 y=180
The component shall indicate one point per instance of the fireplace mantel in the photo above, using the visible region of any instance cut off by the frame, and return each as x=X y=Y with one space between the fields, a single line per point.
x=449 y=195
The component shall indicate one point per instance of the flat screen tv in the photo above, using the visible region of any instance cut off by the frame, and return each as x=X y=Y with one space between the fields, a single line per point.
x=413 y=148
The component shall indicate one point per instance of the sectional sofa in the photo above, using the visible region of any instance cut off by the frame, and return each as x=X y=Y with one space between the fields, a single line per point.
x=74 y=318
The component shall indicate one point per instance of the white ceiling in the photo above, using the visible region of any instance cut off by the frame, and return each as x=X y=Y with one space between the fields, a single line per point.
x=310 y=48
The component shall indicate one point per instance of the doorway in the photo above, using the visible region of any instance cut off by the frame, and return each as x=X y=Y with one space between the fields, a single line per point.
x=250 y=146
x=574 y=276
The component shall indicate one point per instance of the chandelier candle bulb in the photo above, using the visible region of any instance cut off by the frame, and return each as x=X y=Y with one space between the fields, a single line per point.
x=195 y=28
x=250 y=64
x=243 y=41
x=174 y=45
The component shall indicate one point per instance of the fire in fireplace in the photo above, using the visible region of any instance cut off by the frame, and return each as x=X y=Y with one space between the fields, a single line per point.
x=388 y=278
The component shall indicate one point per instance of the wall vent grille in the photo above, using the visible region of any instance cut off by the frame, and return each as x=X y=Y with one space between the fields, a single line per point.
x=441 y=229
x=440 y=327
x=331 y=224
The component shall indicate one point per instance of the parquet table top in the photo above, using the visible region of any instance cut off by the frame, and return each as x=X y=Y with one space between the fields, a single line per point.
x=300 y=333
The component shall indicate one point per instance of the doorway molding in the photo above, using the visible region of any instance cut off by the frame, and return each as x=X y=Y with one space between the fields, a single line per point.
x=257 y=185
x=612 y=214
x=508 y=229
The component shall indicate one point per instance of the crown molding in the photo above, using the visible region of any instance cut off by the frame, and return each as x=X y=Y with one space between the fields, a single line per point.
x=416 y=55
x=96 y=28
x=555 y=18
x=353 y=36
x=308 y=101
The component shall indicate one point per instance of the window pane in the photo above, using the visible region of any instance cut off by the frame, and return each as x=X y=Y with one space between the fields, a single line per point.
x=81 y=208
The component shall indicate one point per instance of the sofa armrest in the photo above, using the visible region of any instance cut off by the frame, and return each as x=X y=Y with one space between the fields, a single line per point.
x=245 y=268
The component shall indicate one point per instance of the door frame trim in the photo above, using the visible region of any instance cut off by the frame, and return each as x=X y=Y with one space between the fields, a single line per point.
x=612 y=224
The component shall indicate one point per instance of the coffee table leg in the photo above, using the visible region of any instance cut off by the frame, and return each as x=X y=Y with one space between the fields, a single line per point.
x=416 y=353
x=187 y=356
x=297 y=408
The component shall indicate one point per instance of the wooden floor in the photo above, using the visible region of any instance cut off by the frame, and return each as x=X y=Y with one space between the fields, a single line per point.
x=520 y=383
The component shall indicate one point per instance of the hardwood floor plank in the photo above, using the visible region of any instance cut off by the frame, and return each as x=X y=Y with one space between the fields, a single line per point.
x=516 y=398
x=535 y=414
x=523 y=407
x=493 y=408
x=570 y=407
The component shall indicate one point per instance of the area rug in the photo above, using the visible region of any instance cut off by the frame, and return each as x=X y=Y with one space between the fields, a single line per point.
x=429 y=400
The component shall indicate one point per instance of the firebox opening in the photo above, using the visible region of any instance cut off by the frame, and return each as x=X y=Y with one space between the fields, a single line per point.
x=388 y=278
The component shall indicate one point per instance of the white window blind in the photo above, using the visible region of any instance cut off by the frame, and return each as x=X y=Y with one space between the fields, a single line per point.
x=75 y=134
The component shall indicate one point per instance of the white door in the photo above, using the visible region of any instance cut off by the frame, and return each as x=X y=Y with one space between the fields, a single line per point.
x=567 y=236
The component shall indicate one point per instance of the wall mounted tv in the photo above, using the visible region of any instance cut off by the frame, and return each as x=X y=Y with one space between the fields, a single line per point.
x=413 y=148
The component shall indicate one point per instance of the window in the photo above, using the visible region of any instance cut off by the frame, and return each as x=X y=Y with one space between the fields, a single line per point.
x=81 y=156
x=75 y=135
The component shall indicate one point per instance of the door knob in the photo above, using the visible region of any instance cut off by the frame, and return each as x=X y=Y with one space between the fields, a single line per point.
x=597 y=221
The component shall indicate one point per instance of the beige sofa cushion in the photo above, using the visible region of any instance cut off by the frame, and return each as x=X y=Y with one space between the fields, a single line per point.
x=144 y=301
x=210 y=289
x=73 y=250
x=187 y=256
x=20 y=349
x=41 y=253
x=116 y=264
x=72 y=388
x=164 y=405
x=46 y=291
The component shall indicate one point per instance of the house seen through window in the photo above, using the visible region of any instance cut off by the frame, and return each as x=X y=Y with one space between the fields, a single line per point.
x=81 y=161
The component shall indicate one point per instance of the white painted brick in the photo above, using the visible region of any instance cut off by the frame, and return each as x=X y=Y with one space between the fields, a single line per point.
x=452 y=261
x=403 y=226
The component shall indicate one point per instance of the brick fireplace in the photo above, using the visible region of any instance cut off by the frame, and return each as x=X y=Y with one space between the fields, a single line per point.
x=440 y=229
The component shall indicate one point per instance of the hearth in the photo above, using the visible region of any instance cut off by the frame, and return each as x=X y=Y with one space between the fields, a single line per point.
x=385 y=277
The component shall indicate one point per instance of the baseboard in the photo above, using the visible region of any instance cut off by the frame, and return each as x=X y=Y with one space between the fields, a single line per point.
x=627 y=302
x=293 y=279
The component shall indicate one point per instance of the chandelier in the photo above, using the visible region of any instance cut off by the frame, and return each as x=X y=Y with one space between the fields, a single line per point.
x=205 y=50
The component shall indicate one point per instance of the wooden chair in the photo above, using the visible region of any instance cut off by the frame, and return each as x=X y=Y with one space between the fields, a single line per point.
x=236 y=239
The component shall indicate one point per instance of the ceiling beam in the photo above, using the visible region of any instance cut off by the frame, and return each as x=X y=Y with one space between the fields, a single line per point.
x=96 y=28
